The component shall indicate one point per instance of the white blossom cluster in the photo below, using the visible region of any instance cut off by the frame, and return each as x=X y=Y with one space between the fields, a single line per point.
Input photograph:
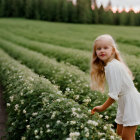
x=92 y=122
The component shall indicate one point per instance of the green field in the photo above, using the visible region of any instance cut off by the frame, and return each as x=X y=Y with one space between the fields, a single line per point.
x=36 y=53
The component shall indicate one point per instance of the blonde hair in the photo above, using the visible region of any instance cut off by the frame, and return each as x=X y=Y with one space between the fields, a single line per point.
x=97 y=71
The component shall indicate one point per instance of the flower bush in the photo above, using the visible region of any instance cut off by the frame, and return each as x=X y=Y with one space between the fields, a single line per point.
x=78 y=58
x=72 y=82
x=38 y=110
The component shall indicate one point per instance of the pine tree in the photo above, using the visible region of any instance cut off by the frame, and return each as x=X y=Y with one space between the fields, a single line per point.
x=137 y=19
x=131 y=16
x=84 y=12
x=30 y=9
x=116 y=18
x=102 y=14
x=65 y=11
x=95 y=16
x=72 y=12
x=124 y=18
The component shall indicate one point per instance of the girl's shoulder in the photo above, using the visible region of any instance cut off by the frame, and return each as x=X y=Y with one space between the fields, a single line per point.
x=114 y=63
x=115 y=66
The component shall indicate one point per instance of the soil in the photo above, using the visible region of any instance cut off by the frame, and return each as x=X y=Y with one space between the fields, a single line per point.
x=3 y=116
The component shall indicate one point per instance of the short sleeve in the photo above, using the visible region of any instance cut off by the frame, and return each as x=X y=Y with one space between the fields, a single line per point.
x=114 y=80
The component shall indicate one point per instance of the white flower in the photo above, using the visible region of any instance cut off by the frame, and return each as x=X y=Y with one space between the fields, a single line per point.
x=87 y=134
x=82 y=126
x=100 y=116
x=35 y=132
x=37 y=137
x=43 y=93
x=112 y=137
x=22 y=102
x=89 y=111
x=59 y=92
x=87 y=100
x=47 y=125
x=100 y=134
x=86 y=129
x=74 y=134
x=92 y=122
x=53 y=115
x=24 y=111
x=72 y=122
x=31 y=78
x=34 y=114
x=68 y=138
x=11 y=98
x=41 y=132
x=13 y=123
x=58 y=122
x=102 y=139
x=73 y=109
x=58 y=100
x=111 y=130
x=16 y=107
x=21 y=93
x=8 y=104
x=28 y=126
x=23 y=138
x=67 y=89
x=76 y=97
x=105 y=127
x=79 y=109
x=49 y=130
x=106 y=117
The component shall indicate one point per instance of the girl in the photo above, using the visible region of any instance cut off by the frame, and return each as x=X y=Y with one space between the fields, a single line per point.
x=107 y=64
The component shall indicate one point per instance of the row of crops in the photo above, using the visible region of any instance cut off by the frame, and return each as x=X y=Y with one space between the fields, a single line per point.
x=46 y=88
x=76 y=57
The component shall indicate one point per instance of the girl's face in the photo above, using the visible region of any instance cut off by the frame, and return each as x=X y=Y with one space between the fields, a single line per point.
x=103 y=50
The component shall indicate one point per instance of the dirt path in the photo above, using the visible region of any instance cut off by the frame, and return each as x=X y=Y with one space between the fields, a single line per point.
x=3 y=116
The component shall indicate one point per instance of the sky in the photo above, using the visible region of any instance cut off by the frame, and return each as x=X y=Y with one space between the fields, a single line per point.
x=120 y=4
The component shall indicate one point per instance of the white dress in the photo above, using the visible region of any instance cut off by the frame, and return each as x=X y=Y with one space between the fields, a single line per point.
x=122 y=89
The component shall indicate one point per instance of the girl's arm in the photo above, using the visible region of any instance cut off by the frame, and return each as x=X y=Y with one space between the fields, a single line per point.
x=103 y=107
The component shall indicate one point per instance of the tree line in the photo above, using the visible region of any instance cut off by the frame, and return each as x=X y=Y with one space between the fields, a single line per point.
x=66 y=11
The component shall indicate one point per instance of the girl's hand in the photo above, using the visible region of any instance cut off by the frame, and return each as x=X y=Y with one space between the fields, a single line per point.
x=97 y=109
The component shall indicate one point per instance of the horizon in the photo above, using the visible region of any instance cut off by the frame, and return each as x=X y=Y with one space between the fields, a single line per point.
x=120 y=5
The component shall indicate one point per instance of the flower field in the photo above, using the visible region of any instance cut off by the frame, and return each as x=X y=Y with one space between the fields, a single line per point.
x=44 y=72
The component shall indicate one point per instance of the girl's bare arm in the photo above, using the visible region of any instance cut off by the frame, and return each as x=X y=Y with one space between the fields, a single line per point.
x=103 y=107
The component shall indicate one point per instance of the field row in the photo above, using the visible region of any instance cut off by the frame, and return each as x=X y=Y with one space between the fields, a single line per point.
x=71 y=35
x=75 y=57
x=78 y=58
x=54 y=40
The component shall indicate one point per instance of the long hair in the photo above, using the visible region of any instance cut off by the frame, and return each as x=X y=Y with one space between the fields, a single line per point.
x=97 y=71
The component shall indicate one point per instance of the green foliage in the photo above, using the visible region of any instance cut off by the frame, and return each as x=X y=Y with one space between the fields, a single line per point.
x=131 y=15
x=5 y=8
x=84 y=11
x=36 y=108
x=68 y=55
x=66 y=11
x=30 y=9
x=95 y=16
x=72 y=12
x=59 y=38
x=73 y=82
x=124 y=18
